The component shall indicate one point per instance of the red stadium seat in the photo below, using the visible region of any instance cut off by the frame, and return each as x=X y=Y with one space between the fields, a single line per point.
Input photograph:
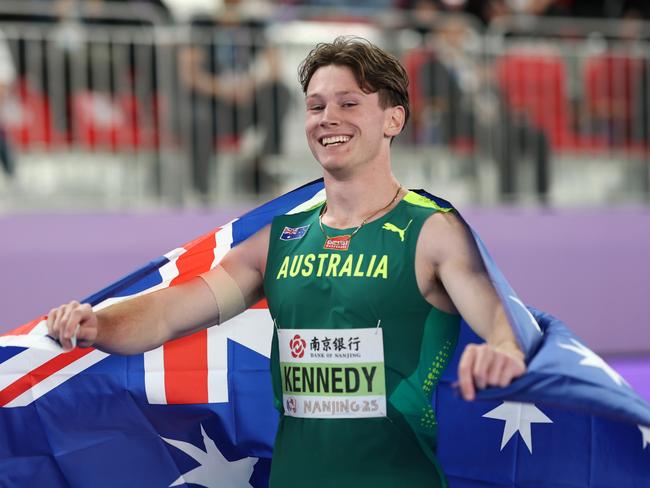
x=534 y=83
x=613 y=86
x=116 y=122
x=27 y=118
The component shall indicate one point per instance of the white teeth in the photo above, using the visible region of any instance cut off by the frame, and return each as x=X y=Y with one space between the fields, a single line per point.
x=326 y=141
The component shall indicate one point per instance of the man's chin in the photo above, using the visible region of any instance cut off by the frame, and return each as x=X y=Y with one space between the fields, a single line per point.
x=334 y=165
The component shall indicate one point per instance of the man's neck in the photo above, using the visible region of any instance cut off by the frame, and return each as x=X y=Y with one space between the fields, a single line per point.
x=351 y=200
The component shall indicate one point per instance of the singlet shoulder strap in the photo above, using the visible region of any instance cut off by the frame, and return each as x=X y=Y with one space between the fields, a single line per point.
x=422 y=201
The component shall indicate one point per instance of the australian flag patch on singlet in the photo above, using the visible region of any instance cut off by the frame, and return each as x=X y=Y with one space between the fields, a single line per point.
x=292 y=233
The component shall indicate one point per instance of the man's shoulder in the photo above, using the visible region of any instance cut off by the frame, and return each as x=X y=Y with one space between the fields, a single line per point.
x=444 y=234
x=442 y=223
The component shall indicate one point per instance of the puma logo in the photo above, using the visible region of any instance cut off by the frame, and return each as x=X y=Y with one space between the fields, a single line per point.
x=394 y=228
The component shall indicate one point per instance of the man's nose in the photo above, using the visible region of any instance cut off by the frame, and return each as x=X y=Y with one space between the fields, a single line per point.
x=329 y=116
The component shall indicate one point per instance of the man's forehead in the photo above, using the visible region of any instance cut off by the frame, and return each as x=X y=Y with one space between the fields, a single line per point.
x=343 y=76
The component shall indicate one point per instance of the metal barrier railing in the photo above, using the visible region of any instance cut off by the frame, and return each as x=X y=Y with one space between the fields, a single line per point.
x=198 y=113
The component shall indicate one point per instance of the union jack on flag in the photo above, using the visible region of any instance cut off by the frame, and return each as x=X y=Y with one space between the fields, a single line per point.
x=199 y=410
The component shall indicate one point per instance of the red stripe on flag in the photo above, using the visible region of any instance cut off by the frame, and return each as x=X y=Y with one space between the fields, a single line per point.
x=196 y=260
x=261 y=304
x=186 y=369
x=186 y=359
x=35 y=376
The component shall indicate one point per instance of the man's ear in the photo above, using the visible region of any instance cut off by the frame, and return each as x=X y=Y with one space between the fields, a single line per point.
x=395 y=122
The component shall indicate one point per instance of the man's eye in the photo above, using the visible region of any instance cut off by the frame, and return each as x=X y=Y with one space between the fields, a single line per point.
x=349 y=104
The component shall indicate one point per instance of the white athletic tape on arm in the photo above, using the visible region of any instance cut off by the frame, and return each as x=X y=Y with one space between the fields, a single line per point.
x=226 y=292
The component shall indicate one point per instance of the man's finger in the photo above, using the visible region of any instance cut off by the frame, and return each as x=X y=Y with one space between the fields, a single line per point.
x=465 y=379
x=86 y=336
x=65 y=317
x=73 y=339
x=513 y=368
x=70 y=325
x=482 y=361
x=73 y=319
x=496 y=369
x=66 y=324
x=52 y=322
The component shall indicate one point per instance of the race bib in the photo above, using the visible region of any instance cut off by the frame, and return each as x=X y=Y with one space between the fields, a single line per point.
x=332 y=373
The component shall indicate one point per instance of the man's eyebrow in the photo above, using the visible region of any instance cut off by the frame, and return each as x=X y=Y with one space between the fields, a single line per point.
x=338 y=94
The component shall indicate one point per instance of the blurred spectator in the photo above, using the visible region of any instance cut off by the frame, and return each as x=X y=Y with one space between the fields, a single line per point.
x=456 y=97
x=605 y=8
x=232 y=77
x=449 y=81
x=529 y=87
x=345 y=7
x=578 y=8
x=423 y=15
x=7 y=78
x=487 y=10
x=539 y=7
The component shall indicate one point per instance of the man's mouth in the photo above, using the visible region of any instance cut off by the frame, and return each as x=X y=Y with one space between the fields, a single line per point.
x=334 y=140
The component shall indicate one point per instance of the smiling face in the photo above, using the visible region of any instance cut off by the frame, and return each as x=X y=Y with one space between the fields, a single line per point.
x=345 y=126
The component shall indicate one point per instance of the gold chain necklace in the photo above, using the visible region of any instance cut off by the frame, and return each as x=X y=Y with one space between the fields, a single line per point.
x=342 y=243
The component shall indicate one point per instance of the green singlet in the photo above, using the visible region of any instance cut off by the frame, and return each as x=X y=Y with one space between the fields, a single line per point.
x=350 y=418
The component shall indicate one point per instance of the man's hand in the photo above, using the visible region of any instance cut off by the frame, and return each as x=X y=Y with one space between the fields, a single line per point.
x=483 y=365
x=73 y=324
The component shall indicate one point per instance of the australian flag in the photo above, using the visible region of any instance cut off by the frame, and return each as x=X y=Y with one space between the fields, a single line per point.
x=293 y=233
x=199 y=410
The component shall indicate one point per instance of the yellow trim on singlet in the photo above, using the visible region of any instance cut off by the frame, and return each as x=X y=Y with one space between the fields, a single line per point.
x=420 y=201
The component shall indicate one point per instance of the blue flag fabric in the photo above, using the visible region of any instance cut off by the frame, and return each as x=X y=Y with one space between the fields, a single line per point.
x=85 y=418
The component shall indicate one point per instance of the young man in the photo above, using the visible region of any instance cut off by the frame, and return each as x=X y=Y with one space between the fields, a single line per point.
x=374 y=279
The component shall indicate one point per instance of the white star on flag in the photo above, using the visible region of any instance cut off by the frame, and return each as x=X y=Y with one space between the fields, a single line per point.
x=592 y=359
x=645 y=434
x=518 y=417
x=213 y=470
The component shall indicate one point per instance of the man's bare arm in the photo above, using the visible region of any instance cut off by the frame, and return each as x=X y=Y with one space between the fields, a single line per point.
x=455 y=262
x=147 y=321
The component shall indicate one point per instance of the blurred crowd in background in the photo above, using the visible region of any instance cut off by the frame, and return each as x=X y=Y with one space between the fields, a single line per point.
x=184 y=102
x=422 y=10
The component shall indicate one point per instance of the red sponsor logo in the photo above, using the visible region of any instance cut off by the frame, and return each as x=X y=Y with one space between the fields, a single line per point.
x=338 y=243
x=297 y=346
